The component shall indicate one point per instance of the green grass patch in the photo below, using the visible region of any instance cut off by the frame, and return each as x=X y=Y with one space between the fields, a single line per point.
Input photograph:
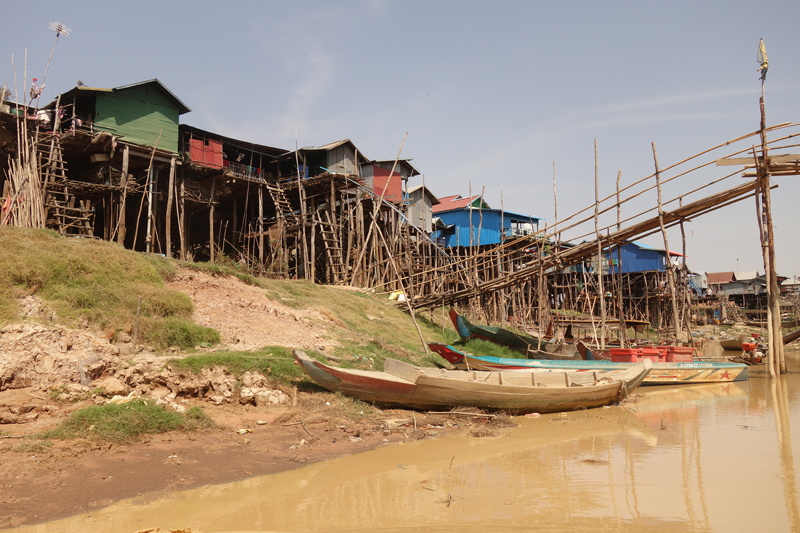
x=126 y=422
x=101 y=282
x=178 y=332
x=96 y=281
x=274 y=361
x=487 y=349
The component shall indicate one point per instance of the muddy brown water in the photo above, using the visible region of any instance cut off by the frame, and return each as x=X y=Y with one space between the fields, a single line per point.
x=716 y=457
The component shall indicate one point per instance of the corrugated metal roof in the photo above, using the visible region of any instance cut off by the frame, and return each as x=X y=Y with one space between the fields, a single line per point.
x=427 y=190
x=720 y=277
x=333 y=146
x=270 y=151
x=182 y=108
x=746 y=275
x=413 y=171
x=329 y=146
x=457 y=203
x=449 y=198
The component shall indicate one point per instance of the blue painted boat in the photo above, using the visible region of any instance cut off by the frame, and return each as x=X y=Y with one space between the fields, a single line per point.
x=661 y=374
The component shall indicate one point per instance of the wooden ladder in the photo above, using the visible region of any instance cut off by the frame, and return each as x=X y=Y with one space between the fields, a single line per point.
x=333 y=247
x=60 y=209
x=283 y=209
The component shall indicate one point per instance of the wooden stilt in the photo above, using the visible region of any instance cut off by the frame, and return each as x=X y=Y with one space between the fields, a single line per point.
x=670 y=274
x=168 y=216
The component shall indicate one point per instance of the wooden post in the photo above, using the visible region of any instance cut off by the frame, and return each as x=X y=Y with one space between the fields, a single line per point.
x=168 y=218
x=504 y=305
x=124 y=177
x=599 y=253
x=211 y=221
x=182 y=216
x=623 y=330
x=687 y=301
x=312 y=259
x=775 y=338
x=670 y=274
x=260 y=227
x=405 y=295
x=152 y=205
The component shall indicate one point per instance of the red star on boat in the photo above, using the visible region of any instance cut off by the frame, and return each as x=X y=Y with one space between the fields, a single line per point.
x=725 y=375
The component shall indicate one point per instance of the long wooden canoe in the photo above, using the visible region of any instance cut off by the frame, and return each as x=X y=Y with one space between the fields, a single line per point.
x=516 y=341
x=661 y=374
x=532 y=347
x=404 y=385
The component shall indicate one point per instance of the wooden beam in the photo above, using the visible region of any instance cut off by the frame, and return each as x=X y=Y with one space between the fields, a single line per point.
x=736 y=161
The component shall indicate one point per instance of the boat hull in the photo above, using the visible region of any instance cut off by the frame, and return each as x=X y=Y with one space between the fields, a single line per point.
x=661 y=373
x=516 y=341
x=408 y=386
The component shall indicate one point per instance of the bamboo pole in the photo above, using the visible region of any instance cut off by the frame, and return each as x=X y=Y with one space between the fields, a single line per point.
x=211 y=220
x=773 y=293
x=260 y=227
x=168 y=221
x=599 y=253
x=146 y=184
x=405 y=295
x=670 y=275
x=623 y=330
x=377 y=206
x=182 y=216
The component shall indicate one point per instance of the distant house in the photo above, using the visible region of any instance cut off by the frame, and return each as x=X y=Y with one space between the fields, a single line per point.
x=638 y=257
x=738 y=283
x=376 y=176
x=141 y=113
x=421 y=202
x=340 y=157
x=718 y=280
x=237 y=158
x=698 y=281
x=790 y=286
x=464 y=223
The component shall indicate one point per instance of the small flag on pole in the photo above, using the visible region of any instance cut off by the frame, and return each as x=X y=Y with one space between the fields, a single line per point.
x=762 y=59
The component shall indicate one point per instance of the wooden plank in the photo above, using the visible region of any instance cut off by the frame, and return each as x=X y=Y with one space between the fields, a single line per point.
x=734 y=161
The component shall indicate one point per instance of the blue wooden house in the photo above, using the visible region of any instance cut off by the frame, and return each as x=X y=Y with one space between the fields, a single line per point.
x=638 y=257
x=486 y=226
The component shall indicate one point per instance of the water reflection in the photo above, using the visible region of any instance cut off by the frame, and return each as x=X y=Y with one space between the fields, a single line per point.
x=698 y=458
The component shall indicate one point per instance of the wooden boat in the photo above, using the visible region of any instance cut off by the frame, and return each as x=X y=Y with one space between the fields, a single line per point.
x=405 y=385
x=661 y=374
x=504 y=337
x=788 y=324
x=789 y=337
x=532 y=347
x=732 y=344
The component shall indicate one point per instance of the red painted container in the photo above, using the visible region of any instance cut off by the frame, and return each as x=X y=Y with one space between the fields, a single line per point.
x=653 y=354
x=748 y=346
x=624 y=355
x=680 y=354
x=663 y=350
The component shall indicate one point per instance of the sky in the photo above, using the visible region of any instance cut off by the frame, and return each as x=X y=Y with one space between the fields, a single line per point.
x=493 y=96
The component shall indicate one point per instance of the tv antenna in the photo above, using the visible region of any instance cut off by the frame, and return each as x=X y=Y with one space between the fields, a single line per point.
x=60 y=30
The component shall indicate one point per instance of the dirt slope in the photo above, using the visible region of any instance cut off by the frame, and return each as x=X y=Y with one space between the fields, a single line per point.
x=38 y=483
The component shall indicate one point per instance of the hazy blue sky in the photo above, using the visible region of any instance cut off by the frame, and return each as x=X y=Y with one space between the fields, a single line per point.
x=491 y=93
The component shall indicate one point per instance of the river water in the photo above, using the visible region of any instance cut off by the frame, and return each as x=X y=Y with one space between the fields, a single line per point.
x=716 y=457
